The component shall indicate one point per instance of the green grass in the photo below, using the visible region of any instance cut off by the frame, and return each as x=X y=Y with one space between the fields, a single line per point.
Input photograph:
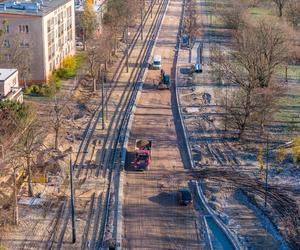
x=260 y=11
x=293 y=71
x=286 y=115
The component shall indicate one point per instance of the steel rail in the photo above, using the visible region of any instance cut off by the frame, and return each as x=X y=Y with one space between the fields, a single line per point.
x=121 y=131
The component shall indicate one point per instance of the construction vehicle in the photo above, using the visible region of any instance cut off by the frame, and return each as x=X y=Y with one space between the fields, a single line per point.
x=142 y=157
x=164 y=82
x=185 y=41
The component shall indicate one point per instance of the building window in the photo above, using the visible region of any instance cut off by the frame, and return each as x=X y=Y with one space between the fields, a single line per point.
x=23 y=28
x=24 y=44
x=69 y=11
x=7 y=28
x=48 y=26
x=6 y=44
x=49 y=53
x=7 y=57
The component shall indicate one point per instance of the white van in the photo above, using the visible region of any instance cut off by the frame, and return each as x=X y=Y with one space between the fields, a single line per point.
x=156 y=64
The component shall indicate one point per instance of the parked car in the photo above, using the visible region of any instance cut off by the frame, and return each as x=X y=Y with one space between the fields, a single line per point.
x=79 y=45
x=196 y=68
x=156 y=63
x=184 y=196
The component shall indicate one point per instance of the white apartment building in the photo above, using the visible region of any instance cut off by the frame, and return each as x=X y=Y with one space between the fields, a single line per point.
x=46 y=28
x=9 y=85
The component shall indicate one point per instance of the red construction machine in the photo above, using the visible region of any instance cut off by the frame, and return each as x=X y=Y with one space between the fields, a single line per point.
x=142 y=155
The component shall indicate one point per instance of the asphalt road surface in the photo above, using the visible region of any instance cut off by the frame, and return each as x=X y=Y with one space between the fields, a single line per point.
x=152 y=217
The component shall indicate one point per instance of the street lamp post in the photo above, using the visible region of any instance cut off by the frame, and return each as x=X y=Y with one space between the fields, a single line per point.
x=72 y=202
x=106 y=100
x=127 y=34
x=267 y=172
x=151 y=7
x=226 y=106
x=2 y=151
x=102 y=95
x=142 y=18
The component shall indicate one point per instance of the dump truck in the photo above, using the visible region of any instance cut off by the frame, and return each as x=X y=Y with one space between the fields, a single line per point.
x=142 y=156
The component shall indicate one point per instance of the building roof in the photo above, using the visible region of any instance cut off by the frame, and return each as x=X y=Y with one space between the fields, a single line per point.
x=97 y=5
x=6 y=73
x=31 y=7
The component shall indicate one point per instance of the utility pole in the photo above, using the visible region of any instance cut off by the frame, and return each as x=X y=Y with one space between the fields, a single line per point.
x=267 y=171
x=106 y=90
x=102 y=95
x=142 y=19
x=127 y=49
x=226 y=106
x=72 y=203
x=2 y=151
x=151 y=7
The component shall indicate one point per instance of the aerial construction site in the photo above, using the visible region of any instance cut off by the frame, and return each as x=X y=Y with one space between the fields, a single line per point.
x=179 y=130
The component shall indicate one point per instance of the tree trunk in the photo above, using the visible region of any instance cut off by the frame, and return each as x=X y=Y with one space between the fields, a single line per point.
x=29 y=173
x=280 y=7
x=94 y=84
x=84 y=40
x=56 y=139
x=246 y=115
x=16 y=207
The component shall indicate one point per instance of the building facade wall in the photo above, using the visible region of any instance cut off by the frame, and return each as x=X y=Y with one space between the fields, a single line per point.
x=59 y=36
x=50 y=38
x=35 y=43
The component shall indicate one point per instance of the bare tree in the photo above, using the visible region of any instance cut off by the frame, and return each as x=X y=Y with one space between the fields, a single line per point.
x=88 y=22
x=15 y=166
x=258 y=51
x=18 y=54
x=232 y=14
x=119 y=16
x=92 y=59
x=97 y=57
x=280 y=5
x=57 y=117
x=293 y=12
x=191 y=21
x=3 y=30
x=28 y=145
x=12 y=117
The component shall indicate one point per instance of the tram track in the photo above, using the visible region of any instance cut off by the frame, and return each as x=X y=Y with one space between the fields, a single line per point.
x=113 y=140
x=118 y=137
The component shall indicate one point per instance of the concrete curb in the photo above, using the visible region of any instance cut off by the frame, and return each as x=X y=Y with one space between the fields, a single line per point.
x=233 y=239
x=124 y=149
x=176 y=91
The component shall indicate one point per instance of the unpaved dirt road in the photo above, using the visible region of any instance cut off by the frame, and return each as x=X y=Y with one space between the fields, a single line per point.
x=152 y=217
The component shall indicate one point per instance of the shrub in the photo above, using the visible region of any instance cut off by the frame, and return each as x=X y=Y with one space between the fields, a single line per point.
x=296 y=149
x=41 y=90
x=260 y=157
x=70 y=67
x=280 y=155
x=19 y=109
